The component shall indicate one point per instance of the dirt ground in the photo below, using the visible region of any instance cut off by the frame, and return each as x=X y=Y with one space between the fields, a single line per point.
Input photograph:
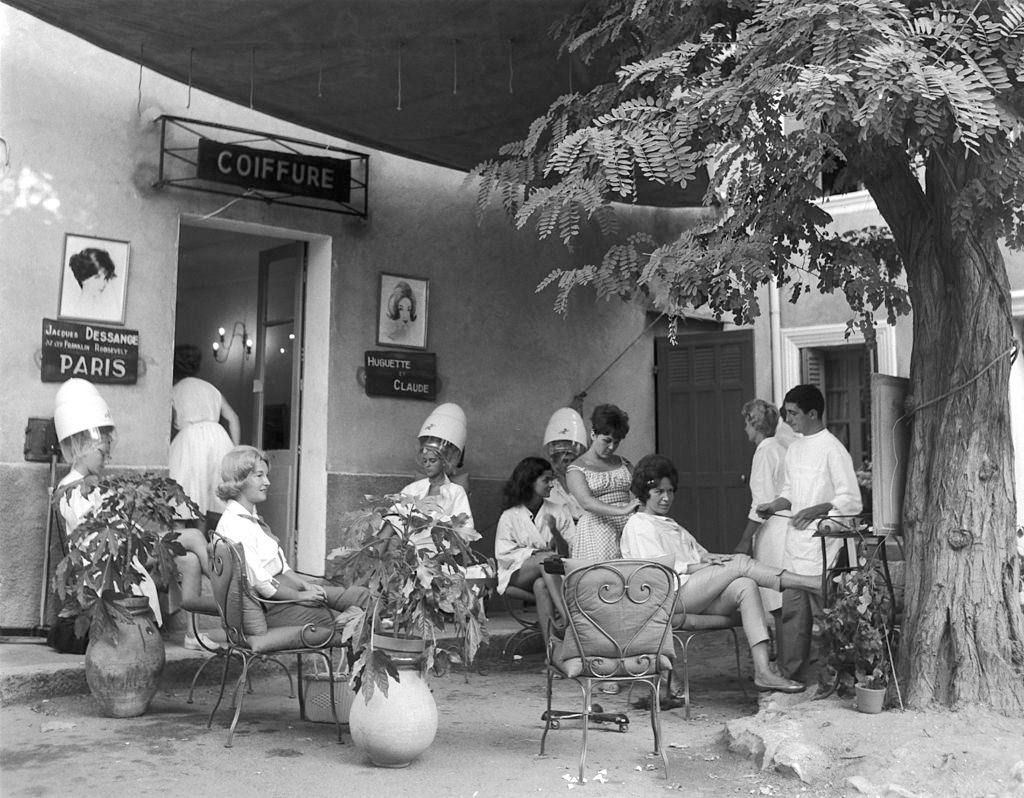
x=488 y=742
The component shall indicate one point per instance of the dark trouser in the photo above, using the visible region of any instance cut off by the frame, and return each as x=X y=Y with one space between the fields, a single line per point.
x=338 y=599
x=794 y=637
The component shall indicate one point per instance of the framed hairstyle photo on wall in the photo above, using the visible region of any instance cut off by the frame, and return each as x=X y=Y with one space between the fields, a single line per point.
x=93 y=279
x=402 y=312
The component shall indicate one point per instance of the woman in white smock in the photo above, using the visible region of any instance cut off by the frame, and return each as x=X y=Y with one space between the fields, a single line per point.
x=442 y=440
x=767 y=476
x=565 y=439
x=714 y=584
x=531 y=529
x=201 y=443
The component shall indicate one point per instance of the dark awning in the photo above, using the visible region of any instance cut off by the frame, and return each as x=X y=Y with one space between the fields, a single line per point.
x=442 y=81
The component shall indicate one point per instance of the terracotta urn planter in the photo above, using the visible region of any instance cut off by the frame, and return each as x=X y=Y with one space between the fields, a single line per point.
x=123 y=669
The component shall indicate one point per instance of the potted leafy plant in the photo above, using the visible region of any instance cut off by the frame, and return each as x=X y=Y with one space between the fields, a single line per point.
x=122 y=538
x=857 y=636
x=417 y=565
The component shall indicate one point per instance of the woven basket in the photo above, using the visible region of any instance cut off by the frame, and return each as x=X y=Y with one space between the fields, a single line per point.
x=318 y=699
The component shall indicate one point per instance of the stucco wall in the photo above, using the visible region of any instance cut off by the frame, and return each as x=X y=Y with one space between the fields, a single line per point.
x=83 y=149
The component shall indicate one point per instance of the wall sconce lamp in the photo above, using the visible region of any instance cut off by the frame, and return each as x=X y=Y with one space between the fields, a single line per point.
x=222 y=346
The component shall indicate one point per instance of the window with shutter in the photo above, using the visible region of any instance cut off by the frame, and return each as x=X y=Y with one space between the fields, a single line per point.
x=842 y=374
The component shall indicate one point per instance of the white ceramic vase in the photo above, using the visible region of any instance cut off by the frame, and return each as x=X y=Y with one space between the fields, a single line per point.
x=393 y=730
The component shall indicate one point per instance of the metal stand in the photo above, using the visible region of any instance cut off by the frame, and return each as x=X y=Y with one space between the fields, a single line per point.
x=856 y=530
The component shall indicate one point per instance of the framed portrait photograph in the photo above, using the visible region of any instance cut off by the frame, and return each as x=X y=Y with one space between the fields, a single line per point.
x=402 y=312
x=93 y=279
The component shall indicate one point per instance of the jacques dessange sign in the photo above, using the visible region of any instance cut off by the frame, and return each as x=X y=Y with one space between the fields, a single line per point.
x=105 y=355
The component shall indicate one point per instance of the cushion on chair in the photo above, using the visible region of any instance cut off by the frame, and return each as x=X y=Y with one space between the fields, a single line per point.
x=696 y=623
x=619 y=615
x=241 y=610
x=285 y=637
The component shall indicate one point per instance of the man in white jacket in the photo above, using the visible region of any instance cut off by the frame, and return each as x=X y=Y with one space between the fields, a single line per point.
x=820 y=481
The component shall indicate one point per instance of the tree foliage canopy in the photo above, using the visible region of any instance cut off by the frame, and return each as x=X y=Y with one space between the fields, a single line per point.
x=765 y=95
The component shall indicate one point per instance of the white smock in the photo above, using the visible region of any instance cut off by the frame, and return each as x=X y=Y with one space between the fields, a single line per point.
x=200 y=445
x=73 y=507
x=767 y=478
x=647 y=537
x=818 y=470
x=520 y=534
x=451 y=500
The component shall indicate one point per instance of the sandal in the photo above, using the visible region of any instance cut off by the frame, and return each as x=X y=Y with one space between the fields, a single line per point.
x=786 y=686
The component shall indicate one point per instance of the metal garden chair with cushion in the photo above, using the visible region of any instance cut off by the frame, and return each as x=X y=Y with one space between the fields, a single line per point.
x=692 y=625
x=620 y=629
x=206 y=605
x=246 y=633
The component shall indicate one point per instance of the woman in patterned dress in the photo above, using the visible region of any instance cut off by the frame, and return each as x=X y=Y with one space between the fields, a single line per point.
x=599 y=480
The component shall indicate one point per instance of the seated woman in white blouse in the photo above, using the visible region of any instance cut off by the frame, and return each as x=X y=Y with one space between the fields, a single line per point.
x=531 y=529
x=716 y=584
x=244 y=484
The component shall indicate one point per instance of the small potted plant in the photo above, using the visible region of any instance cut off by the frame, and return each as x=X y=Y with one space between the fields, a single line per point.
x=857 y=637
x=122 y=538
x=418 y=567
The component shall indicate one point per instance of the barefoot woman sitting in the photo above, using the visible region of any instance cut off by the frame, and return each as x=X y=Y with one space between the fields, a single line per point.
x=531 y=529
x=719 y=584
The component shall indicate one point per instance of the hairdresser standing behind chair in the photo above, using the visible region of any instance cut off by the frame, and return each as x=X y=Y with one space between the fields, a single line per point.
x=201 y=443
x=600 y=481
x=765 y=539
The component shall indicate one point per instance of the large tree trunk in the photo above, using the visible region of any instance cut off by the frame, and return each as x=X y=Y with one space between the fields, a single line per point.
x=963 y=631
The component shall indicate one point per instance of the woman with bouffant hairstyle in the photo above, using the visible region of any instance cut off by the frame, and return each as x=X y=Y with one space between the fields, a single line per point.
x=244 y=483
x=95 y=293
x=401 y=312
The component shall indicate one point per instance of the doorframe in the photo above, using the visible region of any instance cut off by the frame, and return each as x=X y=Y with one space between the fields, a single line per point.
x=311 y=527
x=820 y=336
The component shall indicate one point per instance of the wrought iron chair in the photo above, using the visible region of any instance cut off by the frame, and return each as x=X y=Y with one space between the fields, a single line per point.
x=246 y=634
x=620 y=629
x=692 y=625
x=205 y=605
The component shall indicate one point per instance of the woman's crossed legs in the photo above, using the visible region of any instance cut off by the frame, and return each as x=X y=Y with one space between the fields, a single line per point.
x=730 y=587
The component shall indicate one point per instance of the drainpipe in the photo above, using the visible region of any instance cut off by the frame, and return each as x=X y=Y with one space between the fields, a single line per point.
x=775 y=323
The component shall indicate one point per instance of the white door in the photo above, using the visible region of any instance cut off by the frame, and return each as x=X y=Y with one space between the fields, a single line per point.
x=277 y=383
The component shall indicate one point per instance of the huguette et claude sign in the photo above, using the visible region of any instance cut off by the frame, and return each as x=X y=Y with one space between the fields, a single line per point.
x=272 y=170
x=412 y=375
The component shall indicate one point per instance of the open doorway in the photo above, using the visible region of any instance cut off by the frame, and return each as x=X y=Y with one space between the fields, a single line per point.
x=240 y=300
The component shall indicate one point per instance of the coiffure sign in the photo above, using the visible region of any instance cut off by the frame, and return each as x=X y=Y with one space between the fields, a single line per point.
x=271 y=170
